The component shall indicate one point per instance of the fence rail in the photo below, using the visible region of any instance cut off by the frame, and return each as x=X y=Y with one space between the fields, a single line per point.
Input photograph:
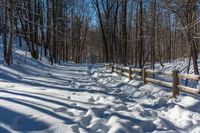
x=142 y=74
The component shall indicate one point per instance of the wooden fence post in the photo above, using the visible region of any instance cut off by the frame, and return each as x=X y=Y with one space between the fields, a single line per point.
x=144 y=75
x=113 y=67
x=106 y=66
x=175 y=78
x=116 y=68
x=121 y=70
x=130 y=74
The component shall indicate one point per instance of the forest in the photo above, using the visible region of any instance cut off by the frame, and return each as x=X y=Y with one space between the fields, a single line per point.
x=99 y=66
x=136 y=32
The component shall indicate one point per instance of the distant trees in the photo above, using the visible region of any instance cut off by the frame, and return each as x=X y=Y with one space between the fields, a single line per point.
x=188 y=16
x=54 y=28
x=8 y=26
x=105 y=15
x=141 y=36
x=191 y=29
x=135 y=32
x=124 y=31
x=152 y=32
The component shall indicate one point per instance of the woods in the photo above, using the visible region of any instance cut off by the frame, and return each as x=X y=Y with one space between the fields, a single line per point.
x=99 y=66
x=137 y=32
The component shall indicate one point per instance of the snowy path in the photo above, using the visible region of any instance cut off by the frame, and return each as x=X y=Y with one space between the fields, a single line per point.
x=71 y=98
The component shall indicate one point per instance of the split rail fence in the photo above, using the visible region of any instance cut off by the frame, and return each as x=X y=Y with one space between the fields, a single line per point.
x=142 y=74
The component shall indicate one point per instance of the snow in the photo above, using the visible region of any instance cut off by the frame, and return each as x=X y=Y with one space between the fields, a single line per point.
x=80 y=98
x=181 y=65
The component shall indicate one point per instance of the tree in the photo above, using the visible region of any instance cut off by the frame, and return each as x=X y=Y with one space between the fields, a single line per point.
x=124 y=31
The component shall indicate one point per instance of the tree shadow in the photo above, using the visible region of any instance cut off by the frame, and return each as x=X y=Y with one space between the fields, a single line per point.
x=15 y=77
x=45 y=111
x=11 y=78
x=17 y=71
x=44 y=99
x=7 y=77
x=20 y=122
x=50 y=96
x=3 y=130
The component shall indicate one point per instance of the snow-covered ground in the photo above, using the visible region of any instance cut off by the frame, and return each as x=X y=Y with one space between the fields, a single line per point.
x=80 y=98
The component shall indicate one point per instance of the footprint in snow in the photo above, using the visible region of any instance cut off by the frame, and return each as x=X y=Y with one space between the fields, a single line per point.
x=28 y=123
x=73 y=104
x=63 y=110
x=75 y=128
x=120 y=107
x=49 y=75
x=117 y=91
x=11 y=86
x=60 y=109
x=70 y=114
x=91 y=100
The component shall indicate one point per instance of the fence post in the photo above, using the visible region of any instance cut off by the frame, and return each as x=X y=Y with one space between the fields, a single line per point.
x=106 y=66
x=175 y=78
x=121 y=70
x=112 y=68
x=130 y=73
x=144 y=75
x=116 y=68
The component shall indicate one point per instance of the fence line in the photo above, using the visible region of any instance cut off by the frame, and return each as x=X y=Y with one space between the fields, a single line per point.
x=142 y=74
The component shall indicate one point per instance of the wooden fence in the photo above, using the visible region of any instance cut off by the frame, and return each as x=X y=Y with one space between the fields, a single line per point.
x=142 y=74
